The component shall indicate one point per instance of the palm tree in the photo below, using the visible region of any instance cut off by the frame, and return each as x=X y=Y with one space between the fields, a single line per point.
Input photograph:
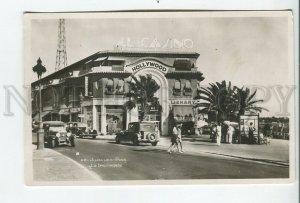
x=217 y=98
x=141 y=91
x=247 y=102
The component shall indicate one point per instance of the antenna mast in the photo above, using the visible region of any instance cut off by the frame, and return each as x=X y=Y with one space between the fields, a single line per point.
x=61 y=53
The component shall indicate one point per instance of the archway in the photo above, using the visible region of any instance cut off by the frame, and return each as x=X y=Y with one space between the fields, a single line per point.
x=162 y=94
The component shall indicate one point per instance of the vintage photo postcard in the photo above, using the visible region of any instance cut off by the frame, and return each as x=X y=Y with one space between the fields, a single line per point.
x=122 y=98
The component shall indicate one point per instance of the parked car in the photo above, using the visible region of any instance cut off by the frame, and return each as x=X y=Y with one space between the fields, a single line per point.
x=56 y=134
x=82 y=130
x=140 y=132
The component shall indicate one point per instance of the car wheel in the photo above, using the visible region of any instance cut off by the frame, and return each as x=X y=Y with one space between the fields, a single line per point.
x=154 y=143
x=118 y=140
x=94 y=136
x=135 y=141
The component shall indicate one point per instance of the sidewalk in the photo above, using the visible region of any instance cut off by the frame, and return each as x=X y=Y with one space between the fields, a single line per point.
x=276 y=153
x=49 y=165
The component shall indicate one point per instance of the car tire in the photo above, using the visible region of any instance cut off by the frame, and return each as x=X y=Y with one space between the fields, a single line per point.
x=135 y=141
x=154 y=143
x=118 y=140
x=94 y=136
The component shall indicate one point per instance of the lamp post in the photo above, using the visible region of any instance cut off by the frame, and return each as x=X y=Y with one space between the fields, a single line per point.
x=39 y=69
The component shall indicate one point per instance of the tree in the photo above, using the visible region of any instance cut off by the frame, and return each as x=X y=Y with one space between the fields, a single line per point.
x=141 y=91
x=217 y=98
x=247 y=101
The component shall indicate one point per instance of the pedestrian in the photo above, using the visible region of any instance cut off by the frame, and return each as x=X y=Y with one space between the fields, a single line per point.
x=179 y=140
x=223 y=133
x=251 y=133
x=218 y=133
x=174 y=139
x=213 y=135
x=230 y=131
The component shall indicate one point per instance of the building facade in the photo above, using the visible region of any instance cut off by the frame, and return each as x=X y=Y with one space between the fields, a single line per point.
x=92 y=89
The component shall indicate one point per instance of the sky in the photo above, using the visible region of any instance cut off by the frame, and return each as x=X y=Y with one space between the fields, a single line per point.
x=245 y=51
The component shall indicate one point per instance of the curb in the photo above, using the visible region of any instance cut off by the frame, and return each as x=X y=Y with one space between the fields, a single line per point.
x=258 y=160
x=93 y=175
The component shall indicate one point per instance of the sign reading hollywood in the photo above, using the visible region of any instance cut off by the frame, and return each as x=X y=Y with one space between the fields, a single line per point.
x=148 y=64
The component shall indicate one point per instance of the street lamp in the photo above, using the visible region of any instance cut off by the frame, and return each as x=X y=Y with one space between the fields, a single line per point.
x=39 y=69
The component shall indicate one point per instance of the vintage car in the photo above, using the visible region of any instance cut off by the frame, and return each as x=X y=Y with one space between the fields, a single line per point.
x=81 y=130
x=140 y=132
x=56 y=134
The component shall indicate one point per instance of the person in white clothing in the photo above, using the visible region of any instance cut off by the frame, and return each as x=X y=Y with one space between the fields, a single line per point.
x=219 y=134
x=230 y=131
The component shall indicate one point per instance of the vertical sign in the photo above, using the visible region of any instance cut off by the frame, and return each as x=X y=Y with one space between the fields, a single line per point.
x=86 y=86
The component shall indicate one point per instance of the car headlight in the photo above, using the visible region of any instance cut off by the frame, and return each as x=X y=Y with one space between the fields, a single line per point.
x=57 y=134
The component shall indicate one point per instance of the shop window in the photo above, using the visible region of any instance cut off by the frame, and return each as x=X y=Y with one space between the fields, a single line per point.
x=177 y=88
x=187 y=88
x=109 y=87
x=120 y=86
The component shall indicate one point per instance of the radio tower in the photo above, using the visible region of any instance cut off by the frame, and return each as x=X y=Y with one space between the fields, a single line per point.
x=61 y=53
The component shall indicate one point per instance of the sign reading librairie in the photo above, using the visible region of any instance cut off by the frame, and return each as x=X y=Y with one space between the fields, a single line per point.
x=184 y=102
x=148 y=64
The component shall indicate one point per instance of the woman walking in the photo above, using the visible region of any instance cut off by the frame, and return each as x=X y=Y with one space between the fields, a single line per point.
x=174 y=138
x=179 y=140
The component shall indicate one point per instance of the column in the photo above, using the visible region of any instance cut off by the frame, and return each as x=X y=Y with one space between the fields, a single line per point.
x=103 y=119
x=94 y=110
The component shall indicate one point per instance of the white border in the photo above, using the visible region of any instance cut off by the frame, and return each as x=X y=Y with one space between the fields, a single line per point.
x=12 y=188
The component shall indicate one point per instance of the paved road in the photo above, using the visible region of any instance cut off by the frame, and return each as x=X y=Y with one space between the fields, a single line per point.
x=126 y=162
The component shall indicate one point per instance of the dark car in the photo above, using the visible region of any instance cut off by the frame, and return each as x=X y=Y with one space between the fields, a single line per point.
x=82 y=130
x=145 y=132
x=56 y=134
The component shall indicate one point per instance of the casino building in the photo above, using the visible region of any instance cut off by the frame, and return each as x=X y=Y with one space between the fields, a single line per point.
x=92 y=89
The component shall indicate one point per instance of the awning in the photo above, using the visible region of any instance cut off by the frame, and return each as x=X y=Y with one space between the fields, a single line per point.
x=64 y=112
x=120 y=83
x=187 y=84
x=36 y=116
x=183 y=113
x=75 y=110
x=110 y=83
x=177 y=85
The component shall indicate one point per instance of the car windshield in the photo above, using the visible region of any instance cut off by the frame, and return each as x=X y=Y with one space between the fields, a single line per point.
x=56 y=128
x=147 y=127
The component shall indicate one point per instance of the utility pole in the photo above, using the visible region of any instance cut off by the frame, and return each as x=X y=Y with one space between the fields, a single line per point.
x=61 y=53
x=39 y=69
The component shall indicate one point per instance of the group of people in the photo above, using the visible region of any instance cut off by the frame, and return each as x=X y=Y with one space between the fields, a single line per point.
x=223 y=132
x=176 y=139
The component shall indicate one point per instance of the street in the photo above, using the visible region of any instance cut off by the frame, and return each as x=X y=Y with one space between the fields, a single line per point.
x=127 y=162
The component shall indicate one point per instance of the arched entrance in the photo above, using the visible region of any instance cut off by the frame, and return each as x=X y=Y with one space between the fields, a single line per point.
x=161 y=94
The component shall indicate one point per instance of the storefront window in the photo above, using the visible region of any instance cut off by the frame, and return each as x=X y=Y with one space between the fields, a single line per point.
x=115 y=119
x=89 y=116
